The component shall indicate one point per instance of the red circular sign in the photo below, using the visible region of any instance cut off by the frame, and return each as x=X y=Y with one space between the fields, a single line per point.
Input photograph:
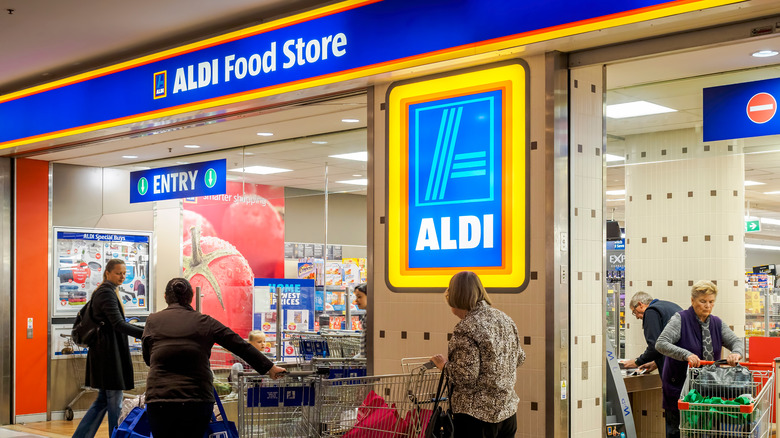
x=761 y=108
x=289 y=350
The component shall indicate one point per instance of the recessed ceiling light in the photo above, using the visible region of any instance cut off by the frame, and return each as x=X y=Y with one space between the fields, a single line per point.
x=357 y=174
x=769 y=220
x=182 y=162
x=130 y=156
x=350 y=120
x=753 y=183
x=354 y=156
x=616 y=200
x=773 y=193
x=354 y=182
x=636 y=109
x=260 y=170
x=265 y=134
x=764 y=247
x=319 y=142
x=191 y=146
x=615 y=192
x=610 y=158
x=764 y=53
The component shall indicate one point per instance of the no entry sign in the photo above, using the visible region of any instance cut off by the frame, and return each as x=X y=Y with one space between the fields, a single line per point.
x=761 y=108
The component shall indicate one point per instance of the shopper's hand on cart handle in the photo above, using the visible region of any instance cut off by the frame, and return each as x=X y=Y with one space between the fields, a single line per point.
x=277 y=372
x=648 y=367
x=734 y=358
x=694 y=361
x=439 y=360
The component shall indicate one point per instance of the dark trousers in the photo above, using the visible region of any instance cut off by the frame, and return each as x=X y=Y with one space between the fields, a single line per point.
x=467 y=426
x=179 y=420
x=672 y=423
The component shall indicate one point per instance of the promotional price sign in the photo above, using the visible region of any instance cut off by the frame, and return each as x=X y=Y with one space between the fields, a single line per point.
x=457 y=180
x=297 y=305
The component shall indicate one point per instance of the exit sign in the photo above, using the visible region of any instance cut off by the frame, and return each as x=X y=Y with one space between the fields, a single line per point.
x=752 y=225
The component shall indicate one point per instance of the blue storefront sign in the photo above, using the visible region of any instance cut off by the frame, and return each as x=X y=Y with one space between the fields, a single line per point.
x=351 y=39
x=175 y=182
x=741 y=110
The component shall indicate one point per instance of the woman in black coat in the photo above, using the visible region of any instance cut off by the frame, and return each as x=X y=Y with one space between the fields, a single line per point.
x=109 y=367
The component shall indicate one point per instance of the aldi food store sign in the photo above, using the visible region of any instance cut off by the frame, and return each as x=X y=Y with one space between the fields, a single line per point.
x=185 y=181
x=457 y=179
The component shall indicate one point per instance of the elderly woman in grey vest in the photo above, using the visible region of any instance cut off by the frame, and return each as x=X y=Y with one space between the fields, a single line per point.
x=691 y=336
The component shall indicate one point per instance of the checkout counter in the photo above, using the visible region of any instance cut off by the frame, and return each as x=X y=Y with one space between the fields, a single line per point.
x=633 y=405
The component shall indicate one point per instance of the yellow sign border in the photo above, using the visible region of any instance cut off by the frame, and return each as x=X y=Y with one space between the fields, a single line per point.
x=512 y=77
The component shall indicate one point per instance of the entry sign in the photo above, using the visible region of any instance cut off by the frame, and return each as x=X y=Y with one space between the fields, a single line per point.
x=741 y=110
x=184 y=181
x=752 y=225
x=457 y=178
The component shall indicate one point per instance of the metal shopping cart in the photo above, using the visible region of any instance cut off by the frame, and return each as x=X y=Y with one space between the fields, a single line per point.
x=77 y=362
x=397 y=406
x=277 y=408
x=736 y=410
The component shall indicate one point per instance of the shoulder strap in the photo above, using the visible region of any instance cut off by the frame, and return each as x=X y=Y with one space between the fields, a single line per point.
x=221 y=408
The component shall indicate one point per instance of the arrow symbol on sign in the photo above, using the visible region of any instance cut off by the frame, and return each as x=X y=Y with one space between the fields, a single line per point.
x=752 y=225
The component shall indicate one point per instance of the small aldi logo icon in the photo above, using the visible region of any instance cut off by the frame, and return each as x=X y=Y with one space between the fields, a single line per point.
x=160 y=84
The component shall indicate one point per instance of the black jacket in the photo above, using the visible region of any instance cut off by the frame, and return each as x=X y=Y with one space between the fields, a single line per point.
x=177 y=344
x=656 y=317
x=109 y=365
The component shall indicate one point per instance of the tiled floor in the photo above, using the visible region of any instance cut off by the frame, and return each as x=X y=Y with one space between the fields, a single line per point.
x=51 y=429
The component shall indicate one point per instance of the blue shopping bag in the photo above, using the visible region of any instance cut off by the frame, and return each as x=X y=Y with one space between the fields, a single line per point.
x=135 y=425
x=222 y=428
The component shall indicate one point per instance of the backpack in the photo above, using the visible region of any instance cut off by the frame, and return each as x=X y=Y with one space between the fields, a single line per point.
x=85 y=329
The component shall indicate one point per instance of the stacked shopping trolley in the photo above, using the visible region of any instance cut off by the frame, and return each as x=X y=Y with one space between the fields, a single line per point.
x=311 y=404
x=733 y=402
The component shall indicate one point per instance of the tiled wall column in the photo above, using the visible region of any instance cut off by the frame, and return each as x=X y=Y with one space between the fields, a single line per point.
x=684 y=223
x=587 y=246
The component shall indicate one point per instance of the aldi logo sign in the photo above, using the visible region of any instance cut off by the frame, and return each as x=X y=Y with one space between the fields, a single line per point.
x=160 y=84
x=457 y=179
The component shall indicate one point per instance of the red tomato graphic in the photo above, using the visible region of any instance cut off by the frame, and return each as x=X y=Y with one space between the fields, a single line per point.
x=193 y=219
x=225 y=279
x=257 y=231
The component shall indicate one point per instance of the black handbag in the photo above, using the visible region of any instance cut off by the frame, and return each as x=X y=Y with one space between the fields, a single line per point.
x=726 y=383
x=440 y=424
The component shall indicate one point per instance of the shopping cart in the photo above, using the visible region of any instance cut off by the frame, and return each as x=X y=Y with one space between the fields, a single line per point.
x=735 y=410
x=77 y=362
x=277 y=408
x=397 y=406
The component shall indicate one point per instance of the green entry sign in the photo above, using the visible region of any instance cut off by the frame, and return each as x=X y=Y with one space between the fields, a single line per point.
x=752 y=225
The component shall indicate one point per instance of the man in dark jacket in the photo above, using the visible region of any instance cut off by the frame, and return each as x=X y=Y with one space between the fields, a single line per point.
x=655 y=315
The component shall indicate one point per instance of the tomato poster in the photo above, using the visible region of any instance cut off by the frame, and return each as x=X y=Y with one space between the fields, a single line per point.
x=229 y=240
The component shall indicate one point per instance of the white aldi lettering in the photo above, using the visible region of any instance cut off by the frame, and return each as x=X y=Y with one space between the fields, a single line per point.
x=471 y=232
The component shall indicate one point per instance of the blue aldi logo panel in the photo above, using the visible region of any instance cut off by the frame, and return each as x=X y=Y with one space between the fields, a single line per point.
x=160 y=84
x=455 y=181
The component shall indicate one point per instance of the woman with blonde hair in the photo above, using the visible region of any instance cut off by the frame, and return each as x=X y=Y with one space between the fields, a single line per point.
x=483 y=355
x=690 y=336
x=109 y=367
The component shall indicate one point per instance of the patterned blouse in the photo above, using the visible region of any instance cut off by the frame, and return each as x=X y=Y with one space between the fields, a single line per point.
x=483 y=357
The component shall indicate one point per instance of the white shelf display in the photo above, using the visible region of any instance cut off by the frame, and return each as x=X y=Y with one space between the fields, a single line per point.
x=80 y=256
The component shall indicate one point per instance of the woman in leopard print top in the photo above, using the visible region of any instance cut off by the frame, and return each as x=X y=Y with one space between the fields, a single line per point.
x=484 y=353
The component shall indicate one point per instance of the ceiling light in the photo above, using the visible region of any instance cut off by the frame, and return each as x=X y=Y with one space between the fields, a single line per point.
x=753 y=183
x=636 y=109
x=265 y=134
x=610 y=158
x=319 y=142
x=764 y=247
x=354 y=182
x=130 y=156
x=770 y=221
x=182 y=162
x=616 y=200
x=191 y=146
x=764 y=53
x=357 y=174
x=350 y=120
x=616 y=192
x=260 y=170
x=776 y=192
x=354 y=156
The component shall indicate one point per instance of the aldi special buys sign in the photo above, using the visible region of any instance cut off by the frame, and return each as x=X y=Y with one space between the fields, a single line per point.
x=457 y=178
x=184 y=181
x=347 y=40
